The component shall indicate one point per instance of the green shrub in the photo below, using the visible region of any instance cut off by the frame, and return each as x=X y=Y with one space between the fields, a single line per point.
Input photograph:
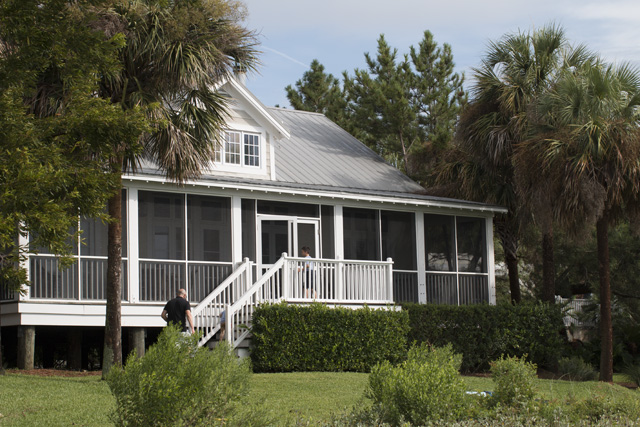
x=482 y=333
x=178 y=383
x=576 y=369
x=607 y=406
x=632 y=372
x=426 y=387
x=290 y=338
x=514 y=380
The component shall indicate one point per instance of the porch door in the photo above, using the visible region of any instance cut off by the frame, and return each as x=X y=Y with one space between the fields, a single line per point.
x=278 y=234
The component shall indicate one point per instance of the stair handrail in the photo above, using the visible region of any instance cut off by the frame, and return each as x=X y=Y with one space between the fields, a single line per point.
x=241 y=312
x=206 y=315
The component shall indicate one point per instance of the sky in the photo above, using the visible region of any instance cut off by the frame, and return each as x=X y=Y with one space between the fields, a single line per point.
x=338 y=32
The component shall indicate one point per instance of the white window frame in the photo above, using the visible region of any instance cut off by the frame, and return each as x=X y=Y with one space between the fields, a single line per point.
x=222 y=156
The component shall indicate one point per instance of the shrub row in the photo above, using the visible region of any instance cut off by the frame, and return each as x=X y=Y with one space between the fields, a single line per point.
x=317 y=338
x=482 y=333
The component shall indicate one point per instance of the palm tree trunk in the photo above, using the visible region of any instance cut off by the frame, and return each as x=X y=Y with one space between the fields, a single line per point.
x=509 y=243
x=112 y=329
x=606 y=329
x=548 y=267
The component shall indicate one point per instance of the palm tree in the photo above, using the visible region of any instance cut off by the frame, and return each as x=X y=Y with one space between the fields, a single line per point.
x=515 y=71
x=175 y=56
x=592 y=152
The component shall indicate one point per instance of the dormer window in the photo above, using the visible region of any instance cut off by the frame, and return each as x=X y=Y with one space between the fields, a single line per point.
x=240 y=149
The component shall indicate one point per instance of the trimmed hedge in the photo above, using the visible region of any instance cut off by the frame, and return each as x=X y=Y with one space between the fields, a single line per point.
x=482 y=333
x=290 y=338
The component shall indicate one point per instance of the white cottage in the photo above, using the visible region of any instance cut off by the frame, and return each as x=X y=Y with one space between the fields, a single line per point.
x=283 y=179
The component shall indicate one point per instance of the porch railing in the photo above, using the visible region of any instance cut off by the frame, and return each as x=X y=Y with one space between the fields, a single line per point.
x=457 y=288
x=329 y=280
x=206 y=315
x=86 y=280
x=160 y=279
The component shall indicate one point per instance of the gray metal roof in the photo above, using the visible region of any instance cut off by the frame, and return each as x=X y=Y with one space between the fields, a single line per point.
x=320 y=153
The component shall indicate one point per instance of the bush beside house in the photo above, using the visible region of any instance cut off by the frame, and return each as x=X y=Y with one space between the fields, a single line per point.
x=482 y=333
x=317 y=338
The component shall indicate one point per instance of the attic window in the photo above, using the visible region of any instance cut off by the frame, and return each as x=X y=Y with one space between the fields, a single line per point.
x=239 y=148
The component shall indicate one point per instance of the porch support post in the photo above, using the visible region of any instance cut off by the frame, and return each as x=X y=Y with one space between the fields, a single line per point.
x=136 y=341
x=23 y=242
x=339 y=232
x=491 y=269
x=421 y=257
x=339 y=243
x=236 y=230
x=75 y=348
x=133 y=244
x=26 y=346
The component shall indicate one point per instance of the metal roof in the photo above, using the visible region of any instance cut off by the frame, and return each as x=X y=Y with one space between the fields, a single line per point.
x=321 y=153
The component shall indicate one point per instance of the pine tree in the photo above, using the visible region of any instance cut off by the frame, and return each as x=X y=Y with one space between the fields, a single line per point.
x=319 y=92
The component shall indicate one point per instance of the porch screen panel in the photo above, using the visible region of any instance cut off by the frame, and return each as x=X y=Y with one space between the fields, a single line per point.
x=361 y=234
x=161 y=225
x=399 y=239
x=471 y=245
x=248 y=213
x=209 y=228
x=94 y=237
x=328 y=232
x=289 y=209
x=440 y=242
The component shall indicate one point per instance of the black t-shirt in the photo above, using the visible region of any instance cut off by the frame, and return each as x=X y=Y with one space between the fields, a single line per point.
x=176 y=311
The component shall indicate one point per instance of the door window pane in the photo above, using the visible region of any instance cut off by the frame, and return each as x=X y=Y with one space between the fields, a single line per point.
x=439 y=242
x=209 y=227
x=161 y=225
x=399 y=239
x=275 y=240
x=361 y=234
x=471 y=245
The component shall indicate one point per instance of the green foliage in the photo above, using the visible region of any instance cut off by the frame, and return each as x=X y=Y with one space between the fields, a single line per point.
x=179 y=383
x=632 y=372
x=576 y=369
x=56 y=134
x=607 y=406
x=427 y=386
x=482 y=333
x=514 y=381
x=318 y=338
x=319 y=92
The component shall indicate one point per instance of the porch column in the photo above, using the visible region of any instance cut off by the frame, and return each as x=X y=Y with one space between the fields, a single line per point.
x=23 y=241
x=136 y=340
x=26 y=346
x=491 y=268
x=236 y=230
x=132 y=248
x=421 y=257
x=74 y=356
x=338 y=228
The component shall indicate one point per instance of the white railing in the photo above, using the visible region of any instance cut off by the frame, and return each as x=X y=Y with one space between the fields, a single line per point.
x=206 y=315
x=339 y=281
x=239 y=315
x=573 y=309
x=86 y=280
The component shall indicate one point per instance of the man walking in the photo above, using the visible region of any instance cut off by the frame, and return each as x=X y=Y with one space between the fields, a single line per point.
x=178 y=311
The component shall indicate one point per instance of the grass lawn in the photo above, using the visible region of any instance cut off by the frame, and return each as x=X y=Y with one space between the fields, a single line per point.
x=86 y=401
